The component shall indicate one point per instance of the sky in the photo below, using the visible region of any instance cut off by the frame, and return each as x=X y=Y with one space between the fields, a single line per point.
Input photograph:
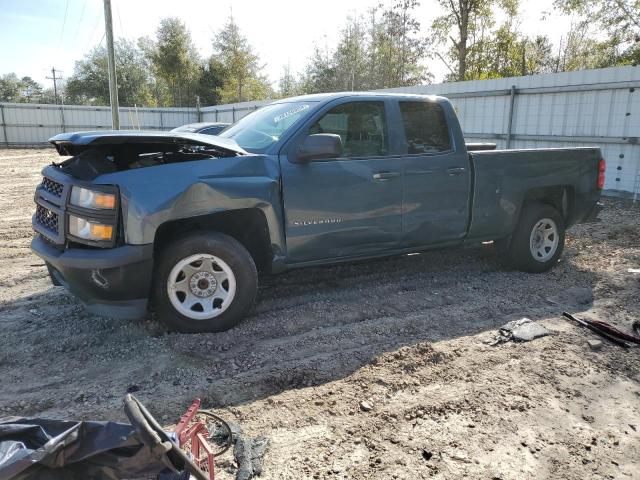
x=37 y=35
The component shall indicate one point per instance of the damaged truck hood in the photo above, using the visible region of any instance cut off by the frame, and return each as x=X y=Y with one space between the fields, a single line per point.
x=77 y=142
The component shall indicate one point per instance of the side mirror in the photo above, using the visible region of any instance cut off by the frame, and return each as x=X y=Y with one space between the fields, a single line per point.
x=320 y=146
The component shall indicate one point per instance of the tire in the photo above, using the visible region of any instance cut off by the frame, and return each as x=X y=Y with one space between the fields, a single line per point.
x=538 y=240
x=204 y=282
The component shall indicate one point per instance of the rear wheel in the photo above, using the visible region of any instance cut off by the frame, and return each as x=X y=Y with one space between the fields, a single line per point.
x=205 y=282
x=538 y=241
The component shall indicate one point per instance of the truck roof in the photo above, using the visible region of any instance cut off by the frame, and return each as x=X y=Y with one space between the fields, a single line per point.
x=323 y=97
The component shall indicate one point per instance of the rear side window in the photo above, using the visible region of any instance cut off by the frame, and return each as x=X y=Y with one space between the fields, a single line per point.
x=361 y=126
x=425 y=127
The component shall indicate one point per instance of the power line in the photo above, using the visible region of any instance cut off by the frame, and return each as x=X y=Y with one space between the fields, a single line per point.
x=84 y=4
x=64 y=22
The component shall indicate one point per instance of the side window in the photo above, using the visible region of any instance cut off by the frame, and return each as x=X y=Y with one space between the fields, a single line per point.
x=425 y=127
x=361 y=125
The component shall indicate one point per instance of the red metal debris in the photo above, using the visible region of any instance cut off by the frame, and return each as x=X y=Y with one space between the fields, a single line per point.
x=192 y=434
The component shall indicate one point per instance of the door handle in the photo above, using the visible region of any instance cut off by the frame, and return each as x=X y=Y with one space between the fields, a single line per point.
x=385 y=175
x=455 y=170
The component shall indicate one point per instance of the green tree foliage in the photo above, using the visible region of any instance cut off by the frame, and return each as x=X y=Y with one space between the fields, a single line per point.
x=175 y=62
x=288 y=85
x=578 y=50
x=89 y=84
x=243 y=81
x=384 y=49
x=620 y=19
x=465 y=30
x=19 y=90
x=9 y=88
x=211 y=81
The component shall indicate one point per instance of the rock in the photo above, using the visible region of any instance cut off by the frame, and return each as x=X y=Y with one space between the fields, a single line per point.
x=595 y=344
x=366 y=406
x=133 y=388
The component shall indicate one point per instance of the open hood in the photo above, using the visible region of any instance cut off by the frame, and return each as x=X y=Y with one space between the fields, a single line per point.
x=76 y=142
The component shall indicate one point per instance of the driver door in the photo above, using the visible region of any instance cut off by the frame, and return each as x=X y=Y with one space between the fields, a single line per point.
x=350 y=205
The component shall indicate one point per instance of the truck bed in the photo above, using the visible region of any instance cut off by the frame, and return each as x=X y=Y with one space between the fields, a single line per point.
x=503 y=179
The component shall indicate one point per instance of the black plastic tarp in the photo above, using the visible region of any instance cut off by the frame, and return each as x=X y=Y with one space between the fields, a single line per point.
x=44 y=449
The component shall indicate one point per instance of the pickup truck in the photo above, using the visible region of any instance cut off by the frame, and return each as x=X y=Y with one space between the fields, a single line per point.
x=181 y=223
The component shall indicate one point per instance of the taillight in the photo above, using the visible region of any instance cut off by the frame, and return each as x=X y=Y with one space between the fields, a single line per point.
x=602 y=166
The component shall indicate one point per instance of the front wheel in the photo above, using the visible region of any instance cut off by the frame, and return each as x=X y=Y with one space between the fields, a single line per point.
x=538 y=240
x=206 y=282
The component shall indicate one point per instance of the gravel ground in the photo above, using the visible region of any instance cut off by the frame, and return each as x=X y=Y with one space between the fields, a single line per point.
x=405 y=335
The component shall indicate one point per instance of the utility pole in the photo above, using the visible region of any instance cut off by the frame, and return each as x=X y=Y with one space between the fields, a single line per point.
x=113 y=83
x=55 y=82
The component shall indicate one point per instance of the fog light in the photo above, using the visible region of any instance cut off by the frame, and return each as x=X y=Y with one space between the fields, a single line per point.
x=82 y=228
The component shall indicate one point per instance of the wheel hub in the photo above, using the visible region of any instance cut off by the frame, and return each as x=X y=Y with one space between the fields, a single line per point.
x=203 y=284
x=544 y=240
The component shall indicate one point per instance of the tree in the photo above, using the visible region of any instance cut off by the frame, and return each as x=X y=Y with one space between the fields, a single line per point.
x=385 y=50
x=579 y=50
x=89 y=83
x=9 y=88
x=211 y=81
x=467 y=24
x=31 y=91
x=350 y=58
x=620 y=19
x=319 y=73
x=19 y=90
x=243 y=81
x=287 y=85
x=174 y=61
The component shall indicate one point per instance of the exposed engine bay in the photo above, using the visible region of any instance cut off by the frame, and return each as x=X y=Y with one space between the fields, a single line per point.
x=102 y=159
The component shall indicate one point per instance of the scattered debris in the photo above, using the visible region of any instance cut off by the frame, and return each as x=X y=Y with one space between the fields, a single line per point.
x=606 y=330
x=248 y=451
x=523 y=330
x=635 y=271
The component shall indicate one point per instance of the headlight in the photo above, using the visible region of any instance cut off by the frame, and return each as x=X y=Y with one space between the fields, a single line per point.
x=81 y=228
x=83 y=197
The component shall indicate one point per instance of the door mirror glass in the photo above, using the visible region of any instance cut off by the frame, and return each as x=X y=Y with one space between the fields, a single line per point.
x=320 y=146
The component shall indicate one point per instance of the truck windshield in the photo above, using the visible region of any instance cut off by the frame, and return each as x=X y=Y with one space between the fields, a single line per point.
x=260 y=129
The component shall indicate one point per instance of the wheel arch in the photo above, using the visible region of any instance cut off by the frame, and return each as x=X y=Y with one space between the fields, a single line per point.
x=247 y=225
x=560 y=197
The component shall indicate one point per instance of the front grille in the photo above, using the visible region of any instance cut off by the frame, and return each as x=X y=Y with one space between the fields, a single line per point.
x=52 y=187
x=47 y=219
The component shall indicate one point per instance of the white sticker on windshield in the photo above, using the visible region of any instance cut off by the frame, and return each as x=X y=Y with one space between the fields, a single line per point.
x=293 y=111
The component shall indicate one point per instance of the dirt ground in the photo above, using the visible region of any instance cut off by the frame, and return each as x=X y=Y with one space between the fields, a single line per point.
x=407 y=335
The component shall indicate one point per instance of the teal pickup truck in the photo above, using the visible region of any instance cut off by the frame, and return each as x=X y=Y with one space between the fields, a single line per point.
x=181 y=223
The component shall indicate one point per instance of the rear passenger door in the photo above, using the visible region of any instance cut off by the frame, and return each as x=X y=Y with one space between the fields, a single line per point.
x=437 y=179
x=350 y=205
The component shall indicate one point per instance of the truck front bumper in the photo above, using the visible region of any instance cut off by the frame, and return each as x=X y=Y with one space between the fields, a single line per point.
x=111 y=282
